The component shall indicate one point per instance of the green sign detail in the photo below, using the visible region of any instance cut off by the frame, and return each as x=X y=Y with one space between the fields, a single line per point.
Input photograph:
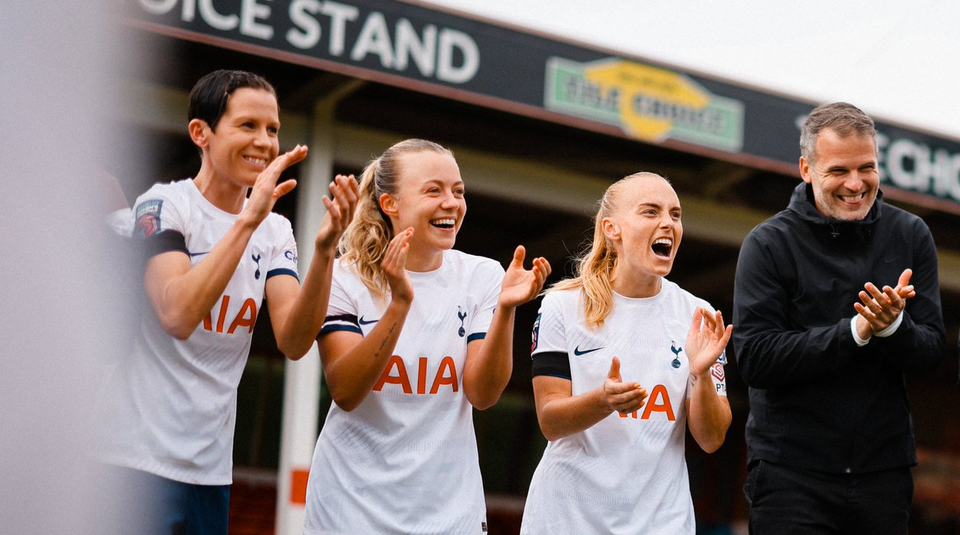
x=648 y=103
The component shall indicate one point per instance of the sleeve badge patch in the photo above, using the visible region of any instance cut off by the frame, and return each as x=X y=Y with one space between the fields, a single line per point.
x=717 y=371
x=148 y=217
x=536 y=333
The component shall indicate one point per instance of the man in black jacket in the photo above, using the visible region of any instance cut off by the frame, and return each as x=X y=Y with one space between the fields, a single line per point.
x=835 y=298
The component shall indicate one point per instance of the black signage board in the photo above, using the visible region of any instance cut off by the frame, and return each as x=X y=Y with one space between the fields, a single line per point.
x=433 y=51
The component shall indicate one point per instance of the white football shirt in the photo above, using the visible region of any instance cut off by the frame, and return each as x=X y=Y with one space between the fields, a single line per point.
x=625 y=474
x=405 y=460
x=170 y=408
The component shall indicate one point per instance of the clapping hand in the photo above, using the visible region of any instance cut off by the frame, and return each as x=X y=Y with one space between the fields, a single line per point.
x=620 y=396
x=340 y=209
x=266 y=191
x=521 y=285
x=706 y=340
x=395 y=267
x=879 y=309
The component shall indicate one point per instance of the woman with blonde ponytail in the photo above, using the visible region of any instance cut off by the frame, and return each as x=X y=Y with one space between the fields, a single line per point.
x=417 y=336
x=615 y=463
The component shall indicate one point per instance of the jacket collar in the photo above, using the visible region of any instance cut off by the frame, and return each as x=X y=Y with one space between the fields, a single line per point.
x=801 y=202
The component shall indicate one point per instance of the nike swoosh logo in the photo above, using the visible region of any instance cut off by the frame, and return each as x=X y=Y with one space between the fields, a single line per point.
x=577 y=351
x=366 y=322
x=198 y=254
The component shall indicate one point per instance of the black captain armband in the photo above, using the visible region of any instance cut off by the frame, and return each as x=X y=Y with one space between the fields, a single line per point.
x=551 y=363
x=164 y=242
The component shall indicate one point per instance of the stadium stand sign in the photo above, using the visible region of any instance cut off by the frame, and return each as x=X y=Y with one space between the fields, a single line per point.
x=425 y=49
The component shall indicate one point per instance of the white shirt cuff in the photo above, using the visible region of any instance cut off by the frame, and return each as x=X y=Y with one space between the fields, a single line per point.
x=892 y=328
x=856 y=337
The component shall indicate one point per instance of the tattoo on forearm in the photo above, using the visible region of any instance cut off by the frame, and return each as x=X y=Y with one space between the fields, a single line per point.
x=384 y=341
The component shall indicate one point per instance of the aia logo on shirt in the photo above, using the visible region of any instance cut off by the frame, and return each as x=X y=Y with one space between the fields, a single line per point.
x=657 y=402
x=536 y=333
x=396 y=374
x=245 y=317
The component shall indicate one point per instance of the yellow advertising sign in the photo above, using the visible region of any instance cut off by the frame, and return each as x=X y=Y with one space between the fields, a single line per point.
x=649 y=103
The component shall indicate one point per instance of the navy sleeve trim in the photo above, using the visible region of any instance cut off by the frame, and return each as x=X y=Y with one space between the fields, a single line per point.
x=283 y=271
x=342 y=322
x=340 y=327
x=476 y=336
x=552 y=363
x=165 y=242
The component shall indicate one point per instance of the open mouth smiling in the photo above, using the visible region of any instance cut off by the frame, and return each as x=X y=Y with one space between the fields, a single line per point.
x=662 y=247
x=446 y=223
x=852 y=198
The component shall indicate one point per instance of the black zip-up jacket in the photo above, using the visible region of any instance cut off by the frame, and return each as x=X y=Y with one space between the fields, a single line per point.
x=817 y=400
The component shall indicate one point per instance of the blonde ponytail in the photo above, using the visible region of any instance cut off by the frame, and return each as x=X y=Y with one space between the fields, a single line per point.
x=365 y=240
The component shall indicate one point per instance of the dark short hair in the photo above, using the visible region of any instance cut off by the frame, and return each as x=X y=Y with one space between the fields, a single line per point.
x=208 y=98
x=843 y=118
